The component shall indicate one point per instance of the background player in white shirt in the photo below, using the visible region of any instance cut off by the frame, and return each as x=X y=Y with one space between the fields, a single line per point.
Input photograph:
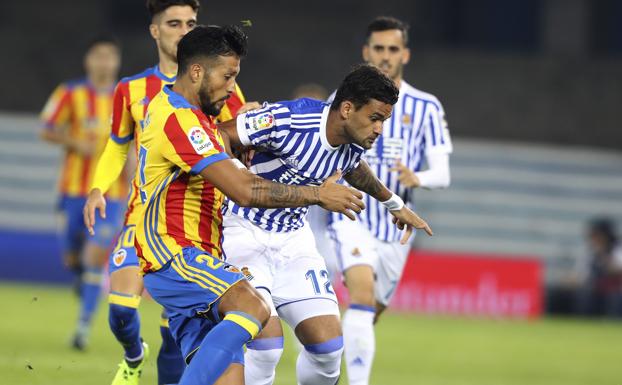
x=368 y=251
x=304 y=142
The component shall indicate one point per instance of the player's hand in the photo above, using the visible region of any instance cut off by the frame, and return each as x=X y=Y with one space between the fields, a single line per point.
x=405 y=218
x=82 y=147
x=246 y=156
x=95 y=201
x=249 y=107
x=406 y=176
x=340 y=198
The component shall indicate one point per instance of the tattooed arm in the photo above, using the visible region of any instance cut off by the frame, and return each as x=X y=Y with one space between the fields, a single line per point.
x=364 y=179
x=248 y=190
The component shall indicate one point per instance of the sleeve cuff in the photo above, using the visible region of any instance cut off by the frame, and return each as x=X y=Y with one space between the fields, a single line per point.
x=203 y=163
x=242 y=132
x=121 y=140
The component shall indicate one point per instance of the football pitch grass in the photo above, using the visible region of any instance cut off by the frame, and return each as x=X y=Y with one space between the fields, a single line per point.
x=37 y=322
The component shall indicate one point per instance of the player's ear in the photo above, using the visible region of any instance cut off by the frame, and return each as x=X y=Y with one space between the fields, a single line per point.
x=154 y=31
x=345 y=109
x=365 y=52
x=196 y=72
x=406 y=56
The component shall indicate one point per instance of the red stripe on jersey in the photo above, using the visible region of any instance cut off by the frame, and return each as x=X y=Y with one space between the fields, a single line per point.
x=234 y=103
x=131 y=201
x=210 y=128
x=206 y=219
x=59 y=107
x=121 y=94
x=180 y=142
x=90 y=102
x=154 y=85
x=174 y=210
x=139 y=252
x=84 y=177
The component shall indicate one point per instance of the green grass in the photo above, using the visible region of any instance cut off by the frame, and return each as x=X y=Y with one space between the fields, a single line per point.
x=37 y=322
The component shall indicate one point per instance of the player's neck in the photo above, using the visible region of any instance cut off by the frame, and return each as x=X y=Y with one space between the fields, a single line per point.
x=398 y=82
x=167 y=66
x=335 y=132
x=102 y=83
x=183 y=87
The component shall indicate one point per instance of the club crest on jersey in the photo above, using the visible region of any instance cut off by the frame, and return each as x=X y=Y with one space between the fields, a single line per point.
x=262 y=121
x=356 y=252
x=231 y=269
x=247 y=274
x=199 y=140
x=406 y=121
x=119 y=257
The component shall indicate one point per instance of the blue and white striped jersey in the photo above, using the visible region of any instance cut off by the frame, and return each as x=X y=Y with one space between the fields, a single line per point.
x=291 y=148
x=416 y=128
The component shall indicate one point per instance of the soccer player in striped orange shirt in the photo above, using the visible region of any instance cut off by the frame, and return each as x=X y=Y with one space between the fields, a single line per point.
x=171 y=20
x=77 y=117
x=184 y=174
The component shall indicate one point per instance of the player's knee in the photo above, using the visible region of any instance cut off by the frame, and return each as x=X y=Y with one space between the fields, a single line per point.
x=326 y=356
x=243 y=297
x=363 y=297
x=265 y=351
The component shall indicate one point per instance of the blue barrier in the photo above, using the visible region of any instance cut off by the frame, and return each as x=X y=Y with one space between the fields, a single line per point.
x=31 y=256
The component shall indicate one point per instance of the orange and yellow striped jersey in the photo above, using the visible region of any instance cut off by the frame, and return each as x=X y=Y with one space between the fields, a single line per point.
x=85 y=113
x=132 y=96
x=180 y=208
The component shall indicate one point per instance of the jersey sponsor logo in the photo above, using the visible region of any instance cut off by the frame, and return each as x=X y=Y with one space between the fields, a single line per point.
x=356 y=252
x=262 y=121
x=119 y=257
x=292 y=161
x=199 y=140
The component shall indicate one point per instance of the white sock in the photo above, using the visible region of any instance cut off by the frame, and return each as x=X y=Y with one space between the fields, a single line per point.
x=359 y=342
x=259 y=366
x=318 y=368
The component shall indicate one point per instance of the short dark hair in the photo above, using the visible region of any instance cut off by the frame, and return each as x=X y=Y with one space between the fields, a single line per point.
x=155 y=7
x=363 y=83
x=386 y=23
x=210 y=41
x=103 y=39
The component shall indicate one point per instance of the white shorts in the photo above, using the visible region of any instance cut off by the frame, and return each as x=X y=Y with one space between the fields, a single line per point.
x=355 y=245
x=287 y=266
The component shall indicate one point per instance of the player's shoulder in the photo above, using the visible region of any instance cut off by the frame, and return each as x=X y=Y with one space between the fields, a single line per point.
x=73 y=84
x=139 y=76
x=410 y=90
x=304 y=106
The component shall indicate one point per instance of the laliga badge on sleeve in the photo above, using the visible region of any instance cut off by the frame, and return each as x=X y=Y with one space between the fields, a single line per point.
x=200 y=140
x=262 y=121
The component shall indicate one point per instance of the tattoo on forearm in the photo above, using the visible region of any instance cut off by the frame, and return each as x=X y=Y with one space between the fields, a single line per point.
x=266 y=193
x=362 y=178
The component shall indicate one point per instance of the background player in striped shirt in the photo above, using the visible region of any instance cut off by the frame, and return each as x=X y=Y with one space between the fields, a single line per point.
x=184 y=173
x=302 y=143
x=77 y=117
x=171 y=20
x=368 y=251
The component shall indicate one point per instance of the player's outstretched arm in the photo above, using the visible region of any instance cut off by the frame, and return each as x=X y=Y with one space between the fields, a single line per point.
x=109 y=167
x=363 y=178
x=248 y=190
x=229 y=132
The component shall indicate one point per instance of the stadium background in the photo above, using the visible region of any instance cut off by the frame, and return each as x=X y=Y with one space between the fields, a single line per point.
x=532 y=90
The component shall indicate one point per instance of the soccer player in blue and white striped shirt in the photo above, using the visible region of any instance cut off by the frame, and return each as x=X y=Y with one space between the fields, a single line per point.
x=305 y=142
x=368 y=251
